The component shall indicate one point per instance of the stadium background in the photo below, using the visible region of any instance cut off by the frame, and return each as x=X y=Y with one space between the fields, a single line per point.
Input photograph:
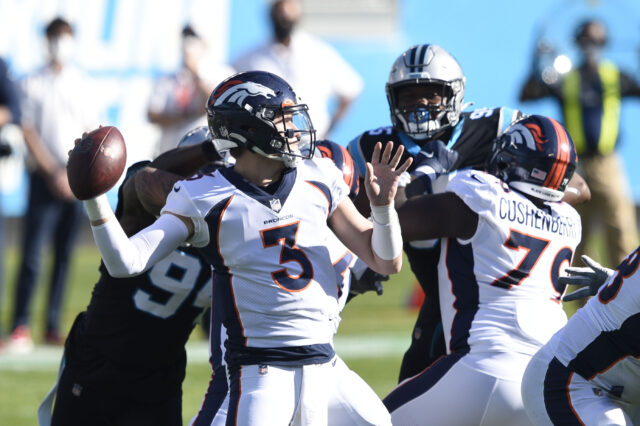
x=125 y=45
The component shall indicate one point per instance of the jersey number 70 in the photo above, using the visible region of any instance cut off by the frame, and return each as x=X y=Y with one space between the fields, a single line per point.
x=534 y=248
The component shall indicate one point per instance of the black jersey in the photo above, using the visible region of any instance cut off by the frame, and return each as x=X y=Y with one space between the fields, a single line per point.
x=139 y=325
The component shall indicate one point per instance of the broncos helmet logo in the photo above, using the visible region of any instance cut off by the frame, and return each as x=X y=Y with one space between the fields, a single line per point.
x=528 y=134
x=536 y=132
x=236 y=91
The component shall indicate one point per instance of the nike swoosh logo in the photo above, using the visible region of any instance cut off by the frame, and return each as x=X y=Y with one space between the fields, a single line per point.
x=428 y=154
x=177 y=188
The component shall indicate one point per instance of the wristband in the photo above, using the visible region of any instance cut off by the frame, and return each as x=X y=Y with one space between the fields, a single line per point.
x=98 y=208
x=382 y=214
x=386 y=239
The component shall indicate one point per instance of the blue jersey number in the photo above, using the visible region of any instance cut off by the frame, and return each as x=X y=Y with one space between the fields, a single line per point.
x=176 y=274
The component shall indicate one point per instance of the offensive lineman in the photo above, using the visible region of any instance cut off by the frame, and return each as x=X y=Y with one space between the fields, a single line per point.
x=507 y=237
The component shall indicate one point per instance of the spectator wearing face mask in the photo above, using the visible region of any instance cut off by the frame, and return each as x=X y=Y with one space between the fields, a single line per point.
x=294 y=55
x=56 y=107
x=590 y=96
x=177 y=102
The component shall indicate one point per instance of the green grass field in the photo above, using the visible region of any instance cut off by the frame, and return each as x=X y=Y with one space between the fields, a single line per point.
x=373 y=336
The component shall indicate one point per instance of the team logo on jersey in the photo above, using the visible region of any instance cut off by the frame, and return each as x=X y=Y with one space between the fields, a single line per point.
x=236 y=91
x=275 y=205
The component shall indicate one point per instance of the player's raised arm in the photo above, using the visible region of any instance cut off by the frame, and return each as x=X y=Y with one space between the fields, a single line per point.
x=379 y=242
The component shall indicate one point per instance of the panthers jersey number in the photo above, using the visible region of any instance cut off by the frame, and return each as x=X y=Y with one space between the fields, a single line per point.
x=481 y=112
x=176 y=274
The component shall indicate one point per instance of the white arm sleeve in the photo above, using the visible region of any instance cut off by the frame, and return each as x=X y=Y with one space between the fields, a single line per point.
x=125 y=257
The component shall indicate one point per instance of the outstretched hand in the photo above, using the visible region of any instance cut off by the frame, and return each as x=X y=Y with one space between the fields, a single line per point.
x=589 y=279
x=383 y=174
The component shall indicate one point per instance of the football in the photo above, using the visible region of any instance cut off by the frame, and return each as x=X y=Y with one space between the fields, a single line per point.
x=96 y=162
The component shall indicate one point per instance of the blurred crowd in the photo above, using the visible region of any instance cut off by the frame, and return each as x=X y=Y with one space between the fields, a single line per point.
x=44 y=111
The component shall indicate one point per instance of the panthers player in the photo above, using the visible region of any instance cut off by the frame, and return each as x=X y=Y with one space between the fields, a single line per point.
x=589 y=372
x=425 y=92
x=124 y=359
x=262 y=225
x=507 y=238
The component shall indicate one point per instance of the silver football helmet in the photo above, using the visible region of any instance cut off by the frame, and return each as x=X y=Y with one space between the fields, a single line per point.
x=421 y=65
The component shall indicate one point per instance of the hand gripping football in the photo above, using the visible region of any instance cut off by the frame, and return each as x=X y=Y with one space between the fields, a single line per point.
x=96 y=162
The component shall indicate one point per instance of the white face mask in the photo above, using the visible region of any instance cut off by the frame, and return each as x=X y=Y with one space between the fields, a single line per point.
x=61 y=49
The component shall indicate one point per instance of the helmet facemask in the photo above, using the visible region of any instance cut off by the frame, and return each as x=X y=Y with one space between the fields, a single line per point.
x=292 y=136
x=422 y=121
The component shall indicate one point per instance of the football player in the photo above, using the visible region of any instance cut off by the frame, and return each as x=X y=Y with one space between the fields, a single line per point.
x=262 y=225
x=425 y=92
x=589 y=372
x=359 y=279
x=507 y=237
x=124 y=359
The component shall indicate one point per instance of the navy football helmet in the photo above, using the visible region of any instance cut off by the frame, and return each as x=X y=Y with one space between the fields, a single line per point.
x=536 y=156
x=426 y=64
x=343 y=161
x=260 y=111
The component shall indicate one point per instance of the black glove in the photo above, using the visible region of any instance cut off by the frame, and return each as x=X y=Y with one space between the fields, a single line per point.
x=590 y=279
x=370 y=280
x=433 y=160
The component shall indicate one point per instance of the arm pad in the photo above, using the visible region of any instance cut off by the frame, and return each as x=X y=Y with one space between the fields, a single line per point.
x=124 y=257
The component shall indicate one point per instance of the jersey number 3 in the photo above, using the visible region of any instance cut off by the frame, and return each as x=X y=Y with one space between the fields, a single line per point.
x=286 y=236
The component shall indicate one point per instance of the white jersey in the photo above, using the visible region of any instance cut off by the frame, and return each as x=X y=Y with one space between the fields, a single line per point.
x=275 y=283
x=601 y=342
x=498 y=289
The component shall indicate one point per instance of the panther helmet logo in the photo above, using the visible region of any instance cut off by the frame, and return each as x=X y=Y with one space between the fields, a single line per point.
x=236 y=91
